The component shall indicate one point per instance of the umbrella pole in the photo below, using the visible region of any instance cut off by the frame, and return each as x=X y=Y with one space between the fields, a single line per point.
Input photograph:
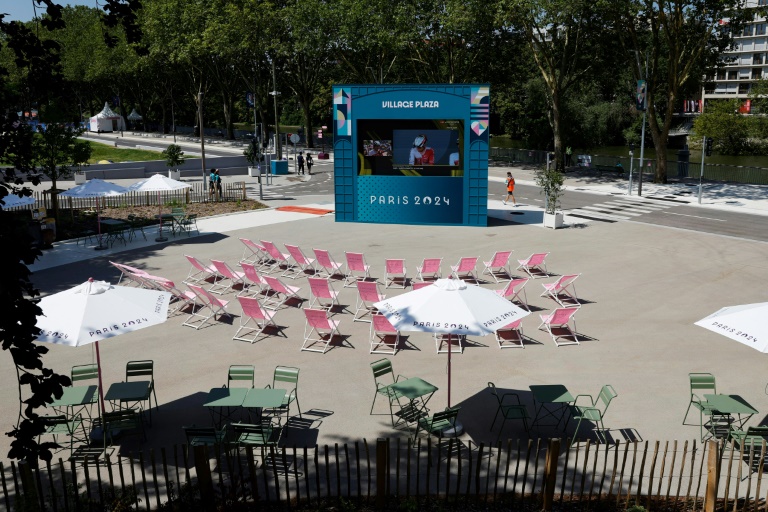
x=99 y=247
x=160 y=237
x=101 y=387
x=449 y=366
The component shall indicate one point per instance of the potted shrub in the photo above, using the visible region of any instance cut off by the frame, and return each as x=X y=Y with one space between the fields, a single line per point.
x=251 y=154
x=174 y=157
x=551 y=180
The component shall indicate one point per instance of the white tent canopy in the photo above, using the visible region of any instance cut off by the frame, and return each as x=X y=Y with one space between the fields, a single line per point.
x=106 y=121
x=134 y=116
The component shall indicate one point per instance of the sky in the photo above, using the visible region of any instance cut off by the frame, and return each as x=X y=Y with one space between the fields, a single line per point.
x=21 y=10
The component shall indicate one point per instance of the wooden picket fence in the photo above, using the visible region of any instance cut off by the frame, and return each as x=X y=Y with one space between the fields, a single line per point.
x=544 y=474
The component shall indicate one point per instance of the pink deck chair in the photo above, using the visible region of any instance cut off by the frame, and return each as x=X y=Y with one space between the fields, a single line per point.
x=254 y=253
x=356 y=264
x=279 y=258
x=322 y=293
x=323 y=329
x=199 y=272
x=498 y=266
x=226 y=278
x=511 y=335
x=563 y=291
x=534 y=265
x=417 y=285
x=127 y=269
x=207 y=302
x=384 y=337
x=453 y=341
x=302 y=264
x=182 y=299
x=278 y=293
x=465 y=269
x=252 y=280
x=558 y=325
x=430 y=269
x=394 y=273
x=326 y=264
x=257 y=319
x=515 y=291
x=367 y=295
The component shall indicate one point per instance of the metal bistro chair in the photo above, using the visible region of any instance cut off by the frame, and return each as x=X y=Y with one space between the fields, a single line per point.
x=143 y=370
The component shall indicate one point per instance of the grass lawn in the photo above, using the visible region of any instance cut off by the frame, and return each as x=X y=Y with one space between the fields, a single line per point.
x=107 y=152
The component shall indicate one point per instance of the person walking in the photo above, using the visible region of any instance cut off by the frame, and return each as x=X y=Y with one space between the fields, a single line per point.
x=310 y=163
x=510 y=189
x=212 y=182
x=218 y=185
x=300 y=161
x=568 y=153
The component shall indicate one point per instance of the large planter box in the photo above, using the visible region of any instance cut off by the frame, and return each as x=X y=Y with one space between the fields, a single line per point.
x=79 y=178
x=279 y=166
x=553 y=221
x=174 y=175
x=253 y=172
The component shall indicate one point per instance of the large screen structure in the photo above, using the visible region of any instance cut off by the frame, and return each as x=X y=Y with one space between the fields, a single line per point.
x=411 y=154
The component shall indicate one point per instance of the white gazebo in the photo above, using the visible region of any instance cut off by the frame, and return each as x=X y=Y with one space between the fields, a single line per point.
x=106 y=121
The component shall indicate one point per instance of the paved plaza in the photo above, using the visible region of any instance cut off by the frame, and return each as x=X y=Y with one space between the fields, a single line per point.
x=643 y=286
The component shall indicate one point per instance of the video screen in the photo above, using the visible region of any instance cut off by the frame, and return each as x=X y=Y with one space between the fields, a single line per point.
x=410 y=147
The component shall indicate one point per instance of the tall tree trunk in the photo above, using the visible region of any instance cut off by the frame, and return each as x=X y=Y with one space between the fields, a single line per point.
x=308 y=128
x=558 y=140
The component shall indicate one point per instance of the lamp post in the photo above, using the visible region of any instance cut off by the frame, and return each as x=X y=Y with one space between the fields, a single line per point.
x=275 y=94
x=645 y=111
x=703 y=143
x=202 y=134
x=631 y=161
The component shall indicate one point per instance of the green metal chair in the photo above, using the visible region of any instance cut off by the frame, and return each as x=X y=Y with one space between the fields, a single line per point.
x=241 y=373
x=287 y=377
x=204 y=436
x=140 y=370
x=61 y=425
x=135 y=224
x=121 y=423
x=84 y=372
x=750 y=440
x=513 y=411
x=438 y=422
x=384 y=377
x=701 y=384
x=188 y=223
x=594 y=411
x=249 y=434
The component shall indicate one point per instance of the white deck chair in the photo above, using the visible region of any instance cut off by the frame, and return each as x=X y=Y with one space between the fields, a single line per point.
x=319 y=329
x=498 y=266
x=278 y=293
x=257 y=320
x=563 y=291
x=383 y=334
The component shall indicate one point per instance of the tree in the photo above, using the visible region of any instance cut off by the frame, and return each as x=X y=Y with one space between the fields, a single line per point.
x=563 y=37
x=681 y=39
x=722 y=121
x=56 y=150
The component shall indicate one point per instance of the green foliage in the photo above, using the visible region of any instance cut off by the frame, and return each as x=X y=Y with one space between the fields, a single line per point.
x=721 y=121
x=113 y=154
x=251 y=154
x=174 y=156
x=551 y=182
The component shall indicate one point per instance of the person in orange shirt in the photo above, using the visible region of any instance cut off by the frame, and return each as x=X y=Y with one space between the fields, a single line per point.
x=510 y=189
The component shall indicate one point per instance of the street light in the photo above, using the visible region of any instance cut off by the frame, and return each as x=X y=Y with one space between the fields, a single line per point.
x=645 y=110
x=631 y=161
x=202 y=133
x=275 y=94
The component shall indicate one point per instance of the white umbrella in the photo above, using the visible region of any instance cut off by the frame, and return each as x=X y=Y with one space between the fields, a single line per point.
x=96 y=188
x=745 y=324
x=96 y=310
x=450 y=306
x=159 y=183
x=12 y=201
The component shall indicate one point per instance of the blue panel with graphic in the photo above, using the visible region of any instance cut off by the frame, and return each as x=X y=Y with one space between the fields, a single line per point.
x=412 y=154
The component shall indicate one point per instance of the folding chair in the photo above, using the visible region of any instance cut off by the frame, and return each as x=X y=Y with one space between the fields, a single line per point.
x=241 y=373
x=251 y=279
x=534 y=265
x=511 y=335
x=322 y=293
x=278 y=293
x=701 y=384
x=121 y=422
x=141 y=370
x=417 y=285
x=62 y=425
x=465 y=269
x=278 y=257
x=261 y=435
x=750 y=444
x=253 y=312
x=367 y=295
x=254 y=253
x=498 y=266
x=287 y=378
x=430 y=268
x=199 y=272
x=137 y=279
x=188 y=223
x=558 y=325
x=383 y=334
x=394 y=273
x=204 y=436
x=182 y=299
x=303 y=265
x=135 y=224
x=226 y=278
x=563 y=291
x=327 y=265
x=438 y=422
x=593 y=411
x=209 y=302
x=126 y=269
x=84 y=372
x=512 y=292
x=450 y=339
x=382 y=371
x=509 y=411
x=356 y=263
x=322 y=327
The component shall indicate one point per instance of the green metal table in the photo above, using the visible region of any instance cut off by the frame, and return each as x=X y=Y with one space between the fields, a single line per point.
x=724 y=407
x=80 y=397
x=263 y=398
x=550 y=401
x=418 y=392
x=130 y=392
x=223 y=402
